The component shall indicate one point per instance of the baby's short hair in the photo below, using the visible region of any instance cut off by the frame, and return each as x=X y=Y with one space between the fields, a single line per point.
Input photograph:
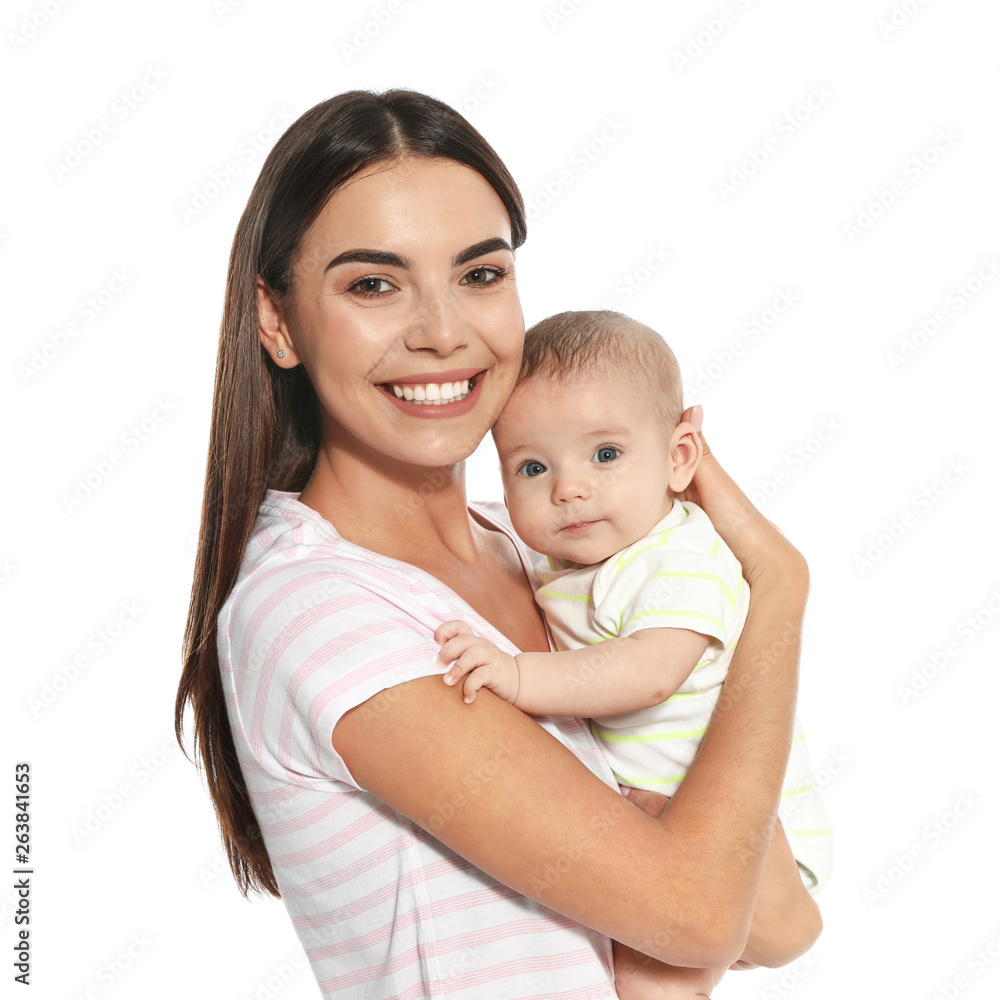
x=599 y=341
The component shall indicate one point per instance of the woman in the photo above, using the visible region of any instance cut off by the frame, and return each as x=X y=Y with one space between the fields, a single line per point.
x=372 y=333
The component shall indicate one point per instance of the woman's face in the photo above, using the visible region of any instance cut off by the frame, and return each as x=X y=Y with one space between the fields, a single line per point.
x=405 y=313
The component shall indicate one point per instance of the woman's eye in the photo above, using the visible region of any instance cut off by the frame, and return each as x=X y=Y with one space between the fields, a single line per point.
x=370 y=288
x=483 y=276
x=531 y=469
x=606 y=454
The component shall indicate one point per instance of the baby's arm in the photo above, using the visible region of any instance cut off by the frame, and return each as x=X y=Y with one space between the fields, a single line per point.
x=621 y=674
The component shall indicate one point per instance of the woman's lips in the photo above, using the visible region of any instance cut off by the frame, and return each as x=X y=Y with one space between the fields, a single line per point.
x=456 y=374
x=457 y=392
x=431 y=393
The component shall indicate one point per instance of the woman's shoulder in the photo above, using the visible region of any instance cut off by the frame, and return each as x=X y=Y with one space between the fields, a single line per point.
x=293 y=551
x=297 y=570
x=285 y=528
x=286 y=531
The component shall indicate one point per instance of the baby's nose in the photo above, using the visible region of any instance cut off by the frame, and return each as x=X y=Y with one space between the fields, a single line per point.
x=569 y=488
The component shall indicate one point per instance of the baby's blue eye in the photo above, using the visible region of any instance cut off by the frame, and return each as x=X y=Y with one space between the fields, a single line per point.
x=606 y=454
x=531 y=469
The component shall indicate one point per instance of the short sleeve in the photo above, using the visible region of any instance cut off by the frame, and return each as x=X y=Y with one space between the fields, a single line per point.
x=666 y=587
x=306 y=642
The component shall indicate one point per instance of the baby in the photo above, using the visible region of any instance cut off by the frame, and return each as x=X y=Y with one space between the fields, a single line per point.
x=645 y=601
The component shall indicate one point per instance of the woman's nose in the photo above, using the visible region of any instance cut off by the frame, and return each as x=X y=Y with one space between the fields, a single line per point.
x=439 y=326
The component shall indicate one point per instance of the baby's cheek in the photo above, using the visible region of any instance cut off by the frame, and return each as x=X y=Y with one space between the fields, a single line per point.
x=536 y=531
x=547 y=540
x=531 y=523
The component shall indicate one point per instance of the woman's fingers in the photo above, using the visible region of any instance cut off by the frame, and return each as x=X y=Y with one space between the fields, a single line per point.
x=755 y=541
x=694 y=415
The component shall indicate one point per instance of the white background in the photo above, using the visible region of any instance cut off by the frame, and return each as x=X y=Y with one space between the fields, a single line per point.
x=812 y=415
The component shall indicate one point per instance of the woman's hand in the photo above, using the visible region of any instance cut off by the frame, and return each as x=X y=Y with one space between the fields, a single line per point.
x=763 y=551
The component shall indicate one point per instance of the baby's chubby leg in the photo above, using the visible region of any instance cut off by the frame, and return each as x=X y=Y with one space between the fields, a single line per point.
x=639 y=977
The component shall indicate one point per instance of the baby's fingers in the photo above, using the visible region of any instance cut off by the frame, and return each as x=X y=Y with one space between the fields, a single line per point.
x=456 y=648
x=470 y=662
x=448 y=630
x=477 y=679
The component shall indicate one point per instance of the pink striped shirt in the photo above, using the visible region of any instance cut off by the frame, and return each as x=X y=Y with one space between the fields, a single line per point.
x=313 y=627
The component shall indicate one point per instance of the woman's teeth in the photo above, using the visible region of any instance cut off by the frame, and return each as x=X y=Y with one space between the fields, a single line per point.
x=433 y=393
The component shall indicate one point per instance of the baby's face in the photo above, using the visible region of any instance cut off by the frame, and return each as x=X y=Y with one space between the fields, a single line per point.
x=585 y=466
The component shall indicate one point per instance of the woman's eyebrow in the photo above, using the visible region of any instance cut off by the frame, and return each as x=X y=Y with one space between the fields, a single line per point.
x=385 y=258
x=381 y=258
x=478 y=249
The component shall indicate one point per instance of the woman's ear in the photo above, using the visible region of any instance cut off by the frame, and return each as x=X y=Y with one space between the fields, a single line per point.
x=273 y=331
x=685 y=455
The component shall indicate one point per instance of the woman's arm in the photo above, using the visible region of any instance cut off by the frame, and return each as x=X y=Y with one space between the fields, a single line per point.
x=499 y=790
x=786 y=920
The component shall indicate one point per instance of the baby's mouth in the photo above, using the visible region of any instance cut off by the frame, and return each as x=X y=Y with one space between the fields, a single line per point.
x=432 y=393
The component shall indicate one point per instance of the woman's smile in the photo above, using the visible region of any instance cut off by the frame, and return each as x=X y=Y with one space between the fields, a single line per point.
x=450 y=394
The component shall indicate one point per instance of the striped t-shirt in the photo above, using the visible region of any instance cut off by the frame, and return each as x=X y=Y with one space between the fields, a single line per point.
x=314 y=626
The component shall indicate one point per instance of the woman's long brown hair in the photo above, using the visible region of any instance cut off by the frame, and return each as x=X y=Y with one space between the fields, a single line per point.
x=265 y=430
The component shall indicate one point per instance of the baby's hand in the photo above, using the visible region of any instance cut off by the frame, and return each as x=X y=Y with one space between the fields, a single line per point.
x=478 y=660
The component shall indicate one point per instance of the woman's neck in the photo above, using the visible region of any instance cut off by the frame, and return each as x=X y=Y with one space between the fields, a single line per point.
x=419 y=516
x=411 y=513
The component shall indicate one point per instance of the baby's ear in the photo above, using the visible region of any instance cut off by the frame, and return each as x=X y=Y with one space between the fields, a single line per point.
x=685 y=455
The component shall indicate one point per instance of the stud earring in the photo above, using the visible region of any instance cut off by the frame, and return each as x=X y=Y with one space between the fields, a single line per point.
x=281 y=354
